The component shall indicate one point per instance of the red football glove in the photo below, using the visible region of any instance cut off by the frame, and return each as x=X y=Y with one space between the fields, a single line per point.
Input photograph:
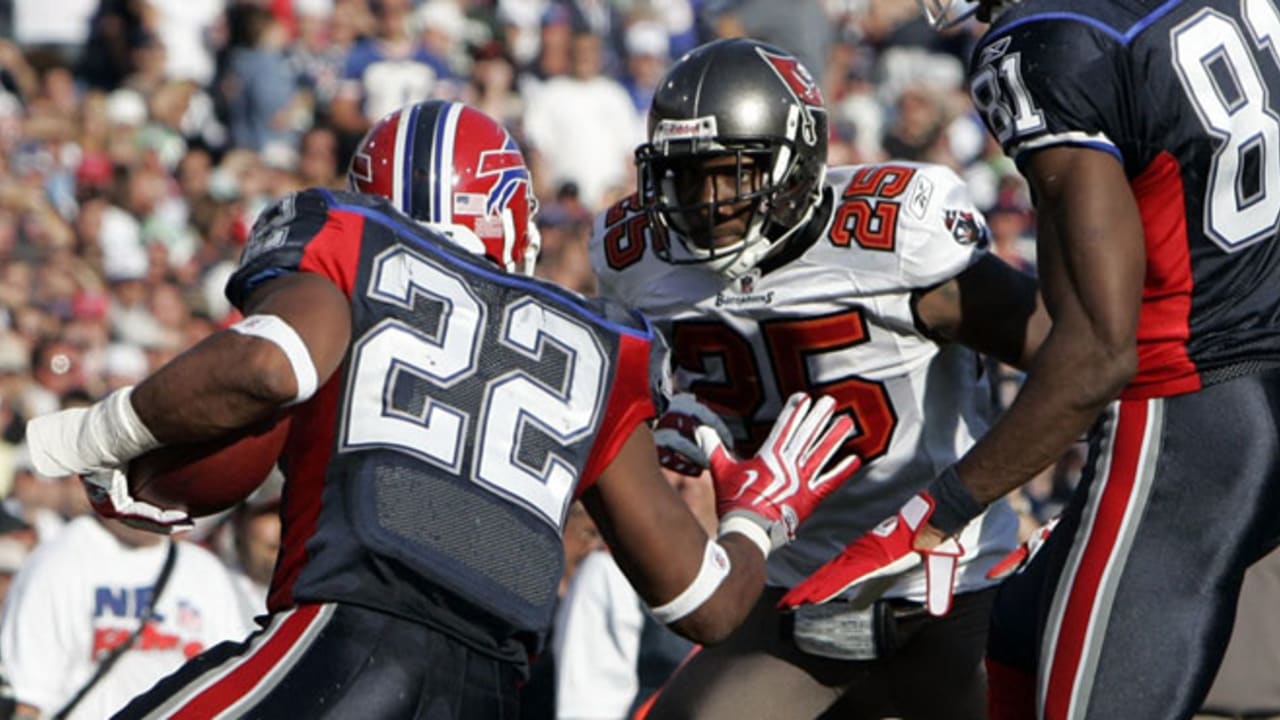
x=869 y=563
x=1018 y=559
x=108 y=493
x=676 y=434
x=767 y=496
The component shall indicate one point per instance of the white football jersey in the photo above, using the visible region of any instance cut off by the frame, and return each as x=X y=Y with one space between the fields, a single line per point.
x=837 y=319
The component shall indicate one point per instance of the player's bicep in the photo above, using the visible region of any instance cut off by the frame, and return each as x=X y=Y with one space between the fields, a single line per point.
x=316 y=309
x=1091 y=245
x=991 y=307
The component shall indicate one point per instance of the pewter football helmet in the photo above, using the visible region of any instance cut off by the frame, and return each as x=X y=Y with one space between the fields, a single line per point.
x=745 y=100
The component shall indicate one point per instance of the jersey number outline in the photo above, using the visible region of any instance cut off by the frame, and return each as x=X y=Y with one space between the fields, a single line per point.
x=1000 y=94
x=1224 y=84
x=511 y=402
x=711 y=347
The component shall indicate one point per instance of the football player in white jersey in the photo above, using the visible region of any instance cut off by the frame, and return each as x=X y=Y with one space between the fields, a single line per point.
x=770 y=273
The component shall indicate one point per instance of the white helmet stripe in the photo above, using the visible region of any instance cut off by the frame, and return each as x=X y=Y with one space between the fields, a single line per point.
x=399 y=159
x=446 y=133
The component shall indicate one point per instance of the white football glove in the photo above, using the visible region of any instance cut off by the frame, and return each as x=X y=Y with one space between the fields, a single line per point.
x=80 y=441
x=108 y=492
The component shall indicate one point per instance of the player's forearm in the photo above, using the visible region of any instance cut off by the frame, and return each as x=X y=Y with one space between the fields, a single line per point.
x=733 y=600
x=1070 y=383
x=227 y=381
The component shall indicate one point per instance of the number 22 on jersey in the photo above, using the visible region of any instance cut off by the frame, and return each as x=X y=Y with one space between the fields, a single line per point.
x=494 y=421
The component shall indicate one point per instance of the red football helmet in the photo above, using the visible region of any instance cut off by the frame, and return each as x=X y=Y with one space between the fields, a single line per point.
x=456 y=170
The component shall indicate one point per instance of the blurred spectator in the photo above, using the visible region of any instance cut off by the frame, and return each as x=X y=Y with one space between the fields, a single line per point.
x=521 y=24
x=442 y=29
x=493 y=83
x=648 y=53
x=186 y=28
x=611 y=656
x=387 y=71
x=17 y=539
x=597 y=113
x=318 y=159
x=259 y=87
x=319 y=56
x=115 y=30
x=58 y=27
x=538 y=694
x=44 y=504
x=255 y=535
x=101 y=585
x=801 y=27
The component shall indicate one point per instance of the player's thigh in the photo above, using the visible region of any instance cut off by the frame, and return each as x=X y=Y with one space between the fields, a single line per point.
x=1182 y=496
x=335 y=661
x=756 y=673
x=945 y=655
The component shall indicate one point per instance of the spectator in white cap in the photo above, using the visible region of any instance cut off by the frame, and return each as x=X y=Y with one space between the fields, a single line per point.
x=648 y=53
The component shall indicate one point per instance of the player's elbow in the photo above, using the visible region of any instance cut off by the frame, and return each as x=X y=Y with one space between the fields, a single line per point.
x=706 y=626
x=268 y=377
x=1110 y=364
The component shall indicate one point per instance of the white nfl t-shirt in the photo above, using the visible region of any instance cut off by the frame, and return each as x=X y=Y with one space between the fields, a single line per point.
x=80 y=594
x=838 y=320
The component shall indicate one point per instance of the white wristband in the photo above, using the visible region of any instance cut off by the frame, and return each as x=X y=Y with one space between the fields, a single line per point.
x=715 y=568
x=113 y=430
x=274 y=329
x=740 y=523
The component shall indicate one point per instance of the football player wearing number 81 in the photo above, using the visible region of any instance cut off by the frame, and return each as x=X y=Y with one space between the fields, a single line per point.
x=1149 y=132
x=446 y=409
x=770 y=274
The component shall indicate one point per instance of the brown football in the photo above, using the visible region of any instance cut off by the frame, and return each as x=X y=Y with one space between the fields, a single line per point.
x=209 y=477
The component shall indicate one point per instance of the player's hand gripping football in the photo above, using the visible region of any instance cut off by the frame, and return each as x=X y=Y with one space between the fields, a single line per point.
x=676 y=434
x=96 y=443
x=108 y=492
x=868 y=564
x=767 y=496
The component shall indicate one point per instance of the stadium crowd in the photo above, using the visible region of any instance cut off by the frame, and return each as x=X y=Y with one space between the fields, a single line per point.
x=139 y=139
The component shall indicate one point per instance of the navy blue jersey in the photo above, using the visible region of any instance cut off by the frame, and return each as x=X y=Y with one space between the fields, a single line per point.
x=430 y=477
x=1186 y=95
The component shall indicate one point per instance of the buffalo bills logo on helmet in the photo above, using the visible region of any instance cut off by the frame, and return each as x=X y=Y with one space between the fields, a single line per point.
x=802 y=87
x=512 y=175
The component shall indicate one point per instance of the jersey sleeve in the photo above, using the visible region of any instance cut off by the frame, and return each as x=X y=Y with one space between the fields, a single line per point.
x=286 y=235
x=940 y=232
x=632 y=395
x=1046 y=81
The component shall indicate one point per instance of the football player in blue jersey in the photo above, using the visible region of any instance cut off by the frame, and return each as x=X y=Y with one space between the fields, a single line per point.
x=445 y=410
x=1148 y=130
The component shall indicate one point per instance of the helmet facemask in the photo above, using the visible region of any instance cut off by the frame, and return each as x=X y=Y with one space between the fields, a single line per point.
x=943 y=15
x=742 y=190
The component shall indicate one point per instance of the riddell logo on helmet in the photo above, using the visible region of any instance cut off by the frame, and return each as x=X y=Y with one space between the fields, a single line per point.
x=694 y=129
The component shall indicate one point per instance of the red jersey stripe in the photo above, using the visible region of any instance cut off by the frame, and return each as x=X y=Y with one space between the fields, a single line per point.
x=1164 y=368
